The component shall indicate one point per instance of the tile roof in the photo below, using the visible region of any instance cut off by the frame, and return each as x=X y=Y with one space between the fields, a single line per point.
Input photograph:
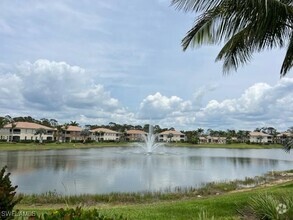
x=73 y=128
x=105 y=130
x=172 y=132
x=256 y=133
x=28 y=125
x=135 y=132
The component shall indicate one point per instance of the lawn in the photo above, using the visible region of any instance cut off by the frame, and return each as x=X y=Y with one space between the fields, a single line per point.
x=54 y=146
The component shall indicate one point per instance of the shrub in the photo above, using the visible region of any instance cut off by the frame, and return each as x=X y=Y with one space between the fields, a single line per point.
x=7 y=193
x=77 y=214
x=269 y=207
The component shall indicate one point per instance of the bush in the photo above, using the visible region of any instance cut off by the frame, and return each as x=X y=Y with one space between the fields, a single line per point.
x=269 y=207
x=77 y=214
x=7 y=193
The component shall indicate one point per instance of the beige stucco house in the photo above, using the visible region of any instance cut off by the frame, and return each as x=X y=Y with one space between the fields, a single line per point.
x=171 y=135
x=72 y=133
x=260 y=137
x=135 y=135
x=104 y=134
x=25 y=131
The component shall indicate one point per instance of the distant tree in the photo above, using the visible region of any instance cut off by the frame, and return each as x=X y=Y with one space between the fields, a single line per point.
x=3 y=122
x=10 y=120
x=170 y=135
x=257 y=130
x=40 y=132
x=85 y=133
x=112 y=124
x=288 y=145
x=157 y=129
x=138 y=127
x=192 y=136
x=240 y=136
x=53 y=123
x=200 y=131
x=45 y=122
x=146 y=127
x=73 y=123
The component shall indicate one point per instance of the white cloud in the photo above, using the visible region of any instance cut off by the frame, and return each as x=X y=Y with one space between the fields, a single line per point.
x=260 y=104
x=55 y=87
x=158 y=106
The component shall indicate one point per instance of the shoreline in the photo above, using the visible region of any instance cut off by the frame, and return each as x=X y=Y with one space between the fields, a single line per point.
x=220 y=205
x=208 y=190
x=65 y=146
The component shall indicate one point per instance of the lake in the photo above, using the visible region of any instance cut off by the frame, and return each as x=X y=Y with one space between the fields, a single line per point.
x=129 y=169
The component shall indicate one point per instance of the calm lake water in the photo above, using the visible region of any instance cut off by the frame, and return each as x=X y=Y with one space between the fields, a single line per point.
x=128 y=169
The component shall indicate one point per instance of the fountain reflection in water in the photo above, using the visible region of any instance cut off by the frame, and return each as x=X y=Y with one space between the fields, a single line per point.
x=150 y=143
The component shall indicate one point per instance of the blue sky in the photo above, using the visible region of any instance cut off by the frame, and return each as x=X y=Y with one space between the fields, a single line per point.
x=121 y=61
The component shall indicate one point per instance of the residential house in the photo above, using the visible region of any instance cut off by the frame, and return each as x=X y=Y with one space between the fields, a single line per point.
x=212 y=140
x=283 y=136
x=135 y=135
x=260 y=137
x=171 y=135
x=104 y=134
x=25 y=131
x=72 y=133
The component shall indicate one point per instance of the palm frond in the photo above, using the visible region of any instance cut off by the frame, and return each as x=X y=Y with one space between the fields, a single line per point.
x=195 y=5
x=237 y=50
x=288 y=60
x=288 y=145
x=270 y=25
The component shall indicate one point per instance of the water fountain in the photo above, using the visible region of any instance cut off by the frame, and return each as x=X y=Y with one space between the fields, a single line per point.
x=150 y=143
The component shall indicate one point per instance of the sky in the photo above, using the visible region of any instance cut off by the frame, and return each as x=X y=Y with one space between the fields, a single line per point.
x=121 y=61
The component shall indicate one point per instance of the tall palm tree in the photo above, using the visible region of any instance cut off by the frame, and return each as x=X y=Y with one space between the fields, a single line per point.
x=245 y=27
x=40 y=132
x=10 y=120
x=288 y=145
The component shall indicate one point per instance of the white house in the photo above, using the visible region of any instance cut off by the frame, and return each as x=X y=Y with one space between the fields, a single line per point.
x=25 y=131
x=260 y=137
x=171 y=135
x=104 y=134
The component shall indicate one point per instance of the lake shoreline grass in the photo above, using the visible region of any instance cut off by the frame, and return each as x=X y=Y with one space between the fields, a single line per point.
x=206 y=190
x=64 y=146
x=224 y=205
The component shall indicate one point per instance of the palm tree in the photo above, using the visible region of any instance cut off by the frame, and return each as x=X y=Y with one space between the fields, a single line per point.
x=170 y=135
x=74 y=123
x=245 y=27
x=288 y=145
x=40 y=132
x=10 y=120
x=85 y=133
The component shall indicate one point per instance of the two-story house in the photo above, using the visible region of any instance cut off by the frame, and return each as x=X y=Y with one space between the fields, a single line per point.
x=19 y=131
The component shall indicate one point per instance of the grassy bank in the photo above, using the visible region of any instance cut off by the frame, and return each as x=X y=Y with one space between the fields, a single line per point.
x=222 y=200
x=55 y=146
x=223 y=206
x=229 y=146
x=62 y=146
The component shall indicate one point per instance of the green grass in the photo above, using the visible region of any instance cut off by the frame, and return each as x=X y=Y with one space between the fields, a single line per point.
x=4 y=146
x=55 y=146
x=229 y=146
x=221 y=207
